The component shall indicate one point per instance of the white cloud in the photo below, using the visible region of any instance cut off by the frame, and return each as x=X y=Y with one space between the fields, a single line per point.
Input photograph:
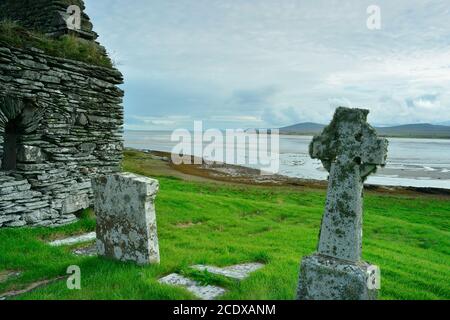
x=278 y=61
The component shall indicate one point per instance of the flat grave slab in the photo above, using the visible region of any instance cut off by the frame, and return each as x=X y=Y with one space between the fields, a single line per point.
x=87 y=237
x=6 y=275
x=203 y=292
x=239 y=271
x=87 y=251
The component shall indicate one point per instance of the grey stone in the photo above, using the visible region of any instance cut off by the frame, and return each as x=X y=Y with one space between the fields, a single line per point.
x=48 y=17
x=350 y=150
x=17 y=223
x=51 y=79
x=82 y=119
x=91 y=236
x=9 y=218
x=20 y=195
x=75 y=203
x=5 y=50
x=89 y=251
x=126 y=218
x=30 y=154
x=36 y=216
x=328 y=278
x=87 y=147
x=13 y=183
x=203 y=292
x=66 y=219
x=239 y=271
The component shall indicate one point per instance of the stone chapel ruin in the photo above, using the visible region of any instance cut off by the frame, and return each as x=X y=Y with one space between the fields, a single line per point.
x=60 y=120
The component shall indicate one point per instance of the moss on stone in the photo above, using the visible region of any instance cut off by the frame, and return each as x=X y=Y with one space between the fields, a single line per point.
x=67 y=46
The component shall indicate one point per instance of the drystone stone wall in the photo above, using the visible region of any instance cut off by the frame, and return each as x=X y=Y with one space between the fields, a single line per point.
x=60 y=125
x=46 y=16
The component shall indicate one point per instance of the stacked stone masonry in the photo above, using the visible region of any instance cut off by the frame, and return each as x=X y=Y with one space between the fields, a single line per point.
x=46 y=16
x=66 y=119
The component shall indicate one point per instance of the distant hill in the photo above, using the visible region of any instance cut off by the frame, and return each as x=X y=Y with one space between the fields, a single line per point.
x=420 y=130
x=416 y=131
x=306 y=128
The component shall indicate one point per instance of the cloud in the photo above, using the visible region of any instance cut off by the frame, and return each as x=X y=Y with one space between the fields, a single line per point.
x=239 y=118
x=340 y=102
x=427 y=101
x=252 y=99
x=265 y=63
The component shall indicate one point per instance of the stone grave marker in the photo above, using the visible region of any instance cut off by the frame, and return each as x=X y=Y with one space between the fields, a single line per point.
x=126 y=218
x=350 y=151
x=237 y=272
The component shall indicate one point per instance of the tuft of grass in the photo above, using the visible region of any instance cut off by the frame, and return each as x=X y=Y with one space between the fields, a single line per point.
x=206 y=278
x=262 y=257
x=67 y=46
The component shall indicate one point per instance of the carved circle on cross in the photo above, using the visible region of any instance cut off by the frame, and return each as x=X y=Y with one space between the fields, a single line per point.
x=350 y=139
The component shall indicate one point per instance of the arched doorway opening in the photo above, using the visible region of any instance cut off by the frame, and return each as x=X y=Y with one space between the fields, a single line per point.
x=19 y=119
x=10 y=145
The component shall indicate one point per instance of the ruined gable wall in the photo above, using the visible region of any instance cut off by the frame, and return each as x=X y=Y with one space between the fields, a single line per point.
x=75 y=133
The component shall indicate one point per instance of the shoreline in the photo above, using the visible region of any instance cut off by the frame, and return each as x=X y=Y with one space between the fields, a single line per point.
x=425 y=137
x=243 y=175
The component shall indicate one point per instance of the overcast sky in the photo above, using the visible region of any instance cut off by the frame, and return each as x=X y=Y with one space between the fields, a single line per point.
x=271 y=63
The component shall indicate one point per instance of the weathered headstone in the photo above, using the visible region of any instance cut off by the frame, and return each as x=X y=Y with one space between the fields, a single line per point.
x=126 y=218
x=350 y=150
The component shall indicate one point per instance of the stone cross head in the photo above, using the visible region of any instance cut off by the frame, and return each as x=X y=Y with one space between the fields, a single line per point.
x=351 y=140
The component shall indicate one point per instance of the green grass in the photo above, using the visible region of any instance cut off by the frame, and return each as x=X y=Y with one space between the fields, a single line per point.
x=67 y=46
x=224 y=224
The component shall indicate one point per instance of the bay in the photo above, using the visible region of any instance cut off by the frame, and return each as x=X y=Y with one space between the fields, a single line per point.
x=411 y=162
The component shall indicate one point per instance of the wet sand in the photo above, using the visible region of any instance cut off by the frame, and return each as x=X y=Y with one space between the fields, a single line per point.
x=244 y=175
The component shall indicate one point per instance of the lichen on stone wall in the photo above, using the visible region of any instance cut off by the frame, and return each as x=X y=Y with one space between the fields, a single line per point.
x=61 y=113
x=68 y=119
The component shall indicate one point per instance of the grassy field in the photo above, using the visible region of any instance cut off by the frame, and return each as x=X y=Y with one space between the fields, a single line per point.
x=223 y=224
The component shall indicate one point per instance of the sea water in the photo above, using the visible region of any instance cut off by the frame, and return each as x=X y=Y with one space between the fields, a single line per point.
x=411 y=162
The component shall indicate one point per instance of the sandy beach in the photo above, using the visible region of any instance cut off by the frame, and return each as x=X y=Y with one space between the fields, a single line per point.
x=244 y=175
